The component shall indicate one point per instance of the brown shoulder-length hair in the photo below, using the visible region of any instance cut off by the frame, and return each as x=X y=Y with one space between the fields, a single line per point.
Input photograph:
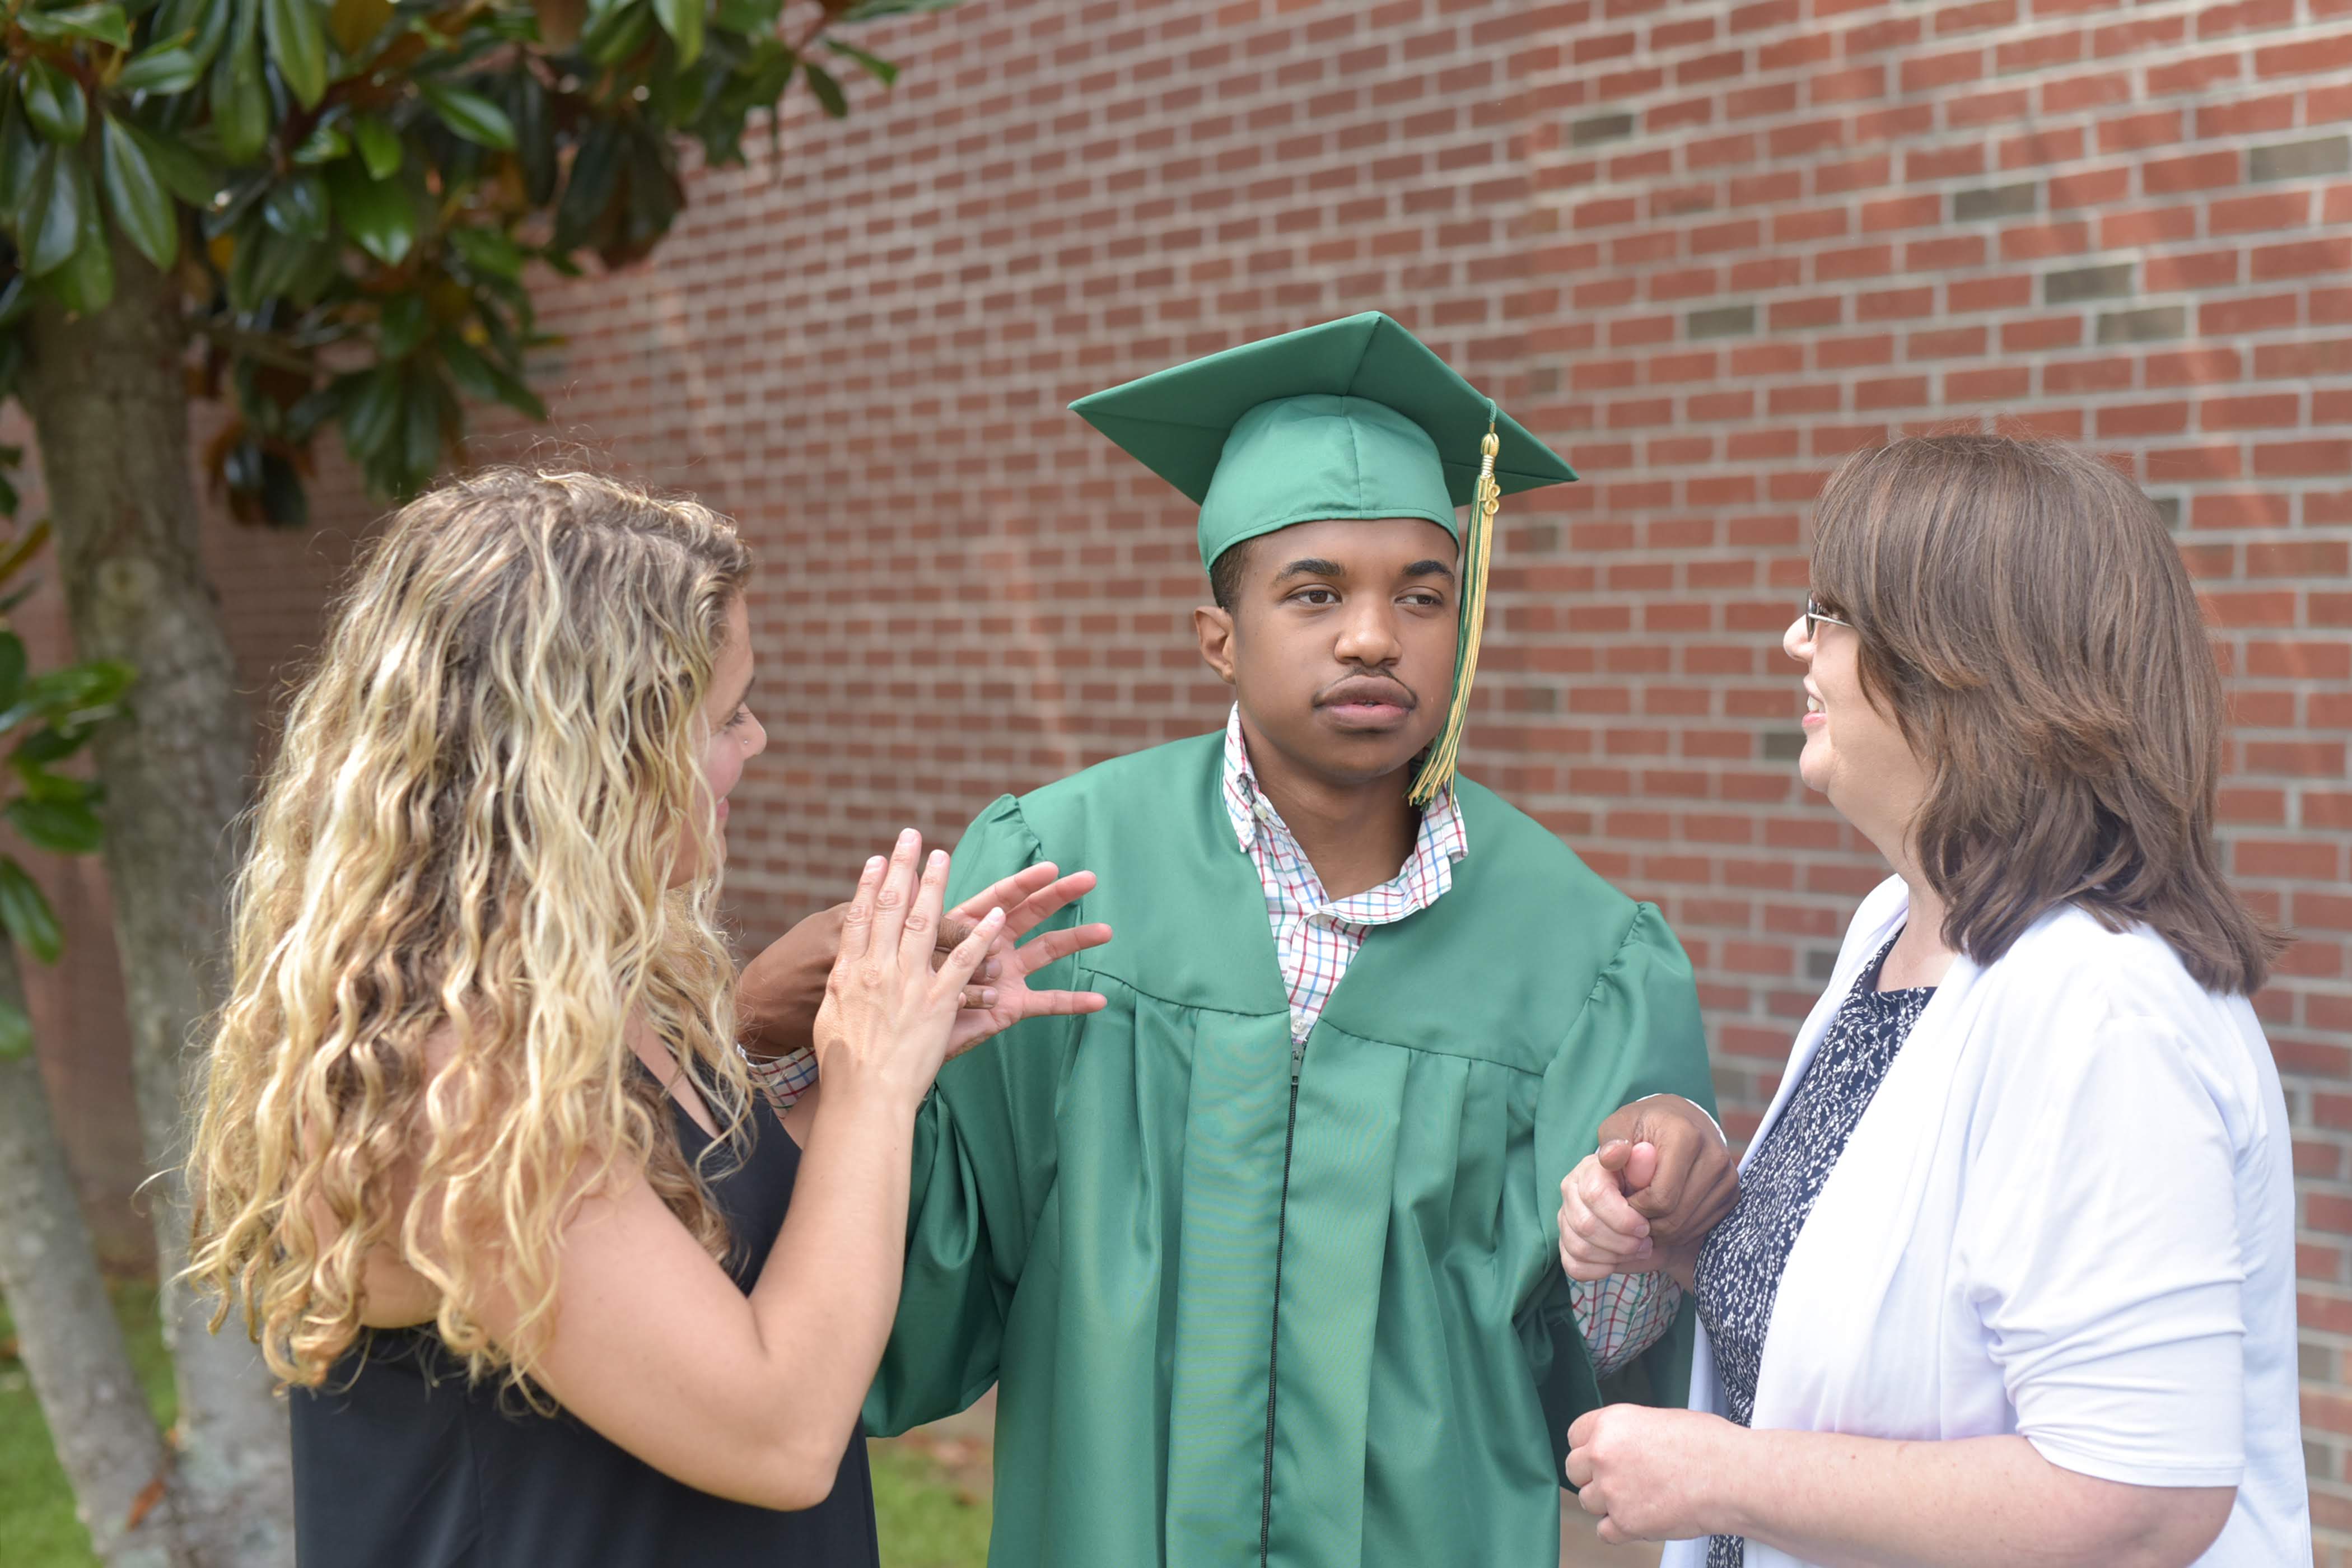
x=2025 y=618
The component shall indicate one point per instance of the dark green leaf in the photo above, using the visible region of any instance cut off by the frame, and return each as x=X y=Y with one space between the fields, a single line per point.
x=74 y=694
x=298 y=44
x=379 y=146
x=682 y=20
x=297 y=206
x=54 y=102
x=49 y=744
x=183 y=171
x=16 y=1032
x=420 y=431
x=402 y=326
x=270 y=265
x=41 y=784
x=325 y=143
x=65 y=828
x=378 y=215
x=20 y=160
x=828 y=90
x=371 y=411
x=12 y=669
x=469 y=114
x=102 y=23
x=16 y=303
x=165 y=68
x=478 y=378
x=24 y=910
x=869 y=10
x=240 y=93
x=874 y=65
x=283 y=504
x=488 y=250
x=85 y=284
x=753 y=17
x=616 y=34
x=595 y=170
x=52 y=222
x=135 y=195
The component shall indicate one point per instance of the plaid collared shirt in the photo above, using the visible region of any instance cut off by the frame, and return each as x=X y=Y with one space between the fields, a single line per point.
x=1315 y=937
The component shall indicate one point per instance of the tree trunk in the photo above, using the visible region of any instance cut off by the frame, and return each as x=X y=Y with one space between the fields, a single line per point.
x=98 y=1418
x=110 y=406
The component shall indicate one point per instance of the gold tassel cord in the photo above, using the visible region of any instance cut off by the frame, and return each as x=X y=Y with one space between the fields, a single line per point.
x=1477 y=544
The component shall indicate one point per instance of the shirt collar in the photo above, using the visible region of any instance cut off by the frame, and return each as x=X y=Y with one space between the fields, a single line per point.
x=1427 y=873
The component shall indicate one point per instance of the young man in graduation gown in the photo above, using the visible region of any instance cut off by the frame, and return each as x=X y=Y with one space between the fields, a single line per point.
x=1262 y=1257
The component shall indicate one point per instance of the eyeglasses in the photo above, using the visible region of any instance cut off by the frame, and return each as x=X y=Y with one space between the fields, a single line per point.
x=1814 y=614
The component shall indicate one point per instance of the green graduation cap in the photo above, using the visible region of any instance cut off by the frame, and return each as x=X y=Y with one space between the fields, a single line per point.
x=1354 y=420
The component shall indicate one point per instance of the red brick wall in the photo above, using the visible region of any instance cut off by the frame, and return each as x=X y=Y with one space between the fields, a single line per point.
x=1708 y=248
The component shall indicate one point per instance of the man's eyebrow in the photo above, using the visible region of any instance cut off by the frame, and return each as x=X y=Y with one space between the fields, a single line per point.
x=1429 y=569
x=1312 y=566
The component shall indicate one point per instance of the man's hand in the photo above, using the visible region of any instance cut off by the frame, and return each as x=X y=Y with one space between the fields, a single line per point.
x=999 y=996
x=1648 y=1474
x=778 y=993
x=1696 y=1182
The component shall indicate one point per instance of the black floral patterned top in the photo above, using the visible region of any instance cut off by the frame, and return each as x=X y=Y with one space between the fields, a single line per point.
x=1740 y=1266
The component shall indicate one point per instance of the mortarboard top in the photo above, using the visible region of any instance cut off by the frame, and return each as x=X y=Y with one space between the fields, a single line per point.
x=1354 y=420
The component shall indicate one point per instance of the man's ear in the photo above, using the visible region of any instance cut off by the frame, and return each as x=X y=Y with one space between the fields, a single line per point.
x=1214 y=628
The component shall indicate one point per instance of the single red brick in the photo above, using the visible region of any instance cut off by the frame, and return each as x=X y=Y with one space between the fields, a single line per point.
x=1852 y=175
x=2305 y=57
x=2143 y=419
x=1756 y=102
x=2033 y=242
x=1948 y=342
x=1948 y=253
x=2043 y=332
x=2302 y=259
x=2000 y=384
x=1944 y=162
x=2071 y=94
x=2153 y=225
x=1922 y=211
x=2196 y=172
x=1896 y=304
x=1853 y=353
x=2039 y=147
x=2247 y=215
x=2091 y=188
x=1927 y=73
x=2201 y=269
x=2005 y=104
x=2195 y=367
x=2265 y=411
x=2040 y=52
x=2247 y=116
x=2068 y=378
x=2197 y=75
x=1979 y=13
x=2229 y=317
x=2138 y=35
x=2004 y=293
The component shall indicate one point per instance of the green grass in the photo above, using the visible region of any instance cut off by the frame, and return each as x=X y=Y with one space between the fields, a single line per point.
x=37 y=1527
x=928 y=1517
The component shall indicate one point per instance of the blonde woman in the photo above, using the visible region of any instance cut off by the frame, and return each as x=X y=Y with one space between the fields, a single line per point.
x=477 y=1160
x=2011 y=1274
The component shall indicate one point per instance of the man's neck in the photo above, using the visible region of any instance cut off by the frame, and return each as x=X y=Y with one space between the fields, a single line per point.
x=1357 y=835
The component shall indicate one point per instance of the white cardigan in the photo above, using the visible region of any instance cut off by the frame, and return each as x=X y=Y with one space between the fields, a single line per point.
x=2069 y=1211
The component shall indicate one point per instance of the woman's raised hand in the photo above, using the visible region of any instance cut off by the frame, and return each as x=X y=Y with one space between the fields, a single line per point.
x=887 y=1013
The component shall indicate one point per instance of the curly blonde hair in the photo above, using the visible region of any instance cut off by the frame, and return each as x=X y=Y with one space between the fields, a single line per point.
x=471 y=828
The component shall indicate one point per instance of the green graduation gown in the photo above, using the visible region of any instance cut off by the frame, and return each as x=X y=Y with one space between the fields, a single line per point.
x=1238 y=1317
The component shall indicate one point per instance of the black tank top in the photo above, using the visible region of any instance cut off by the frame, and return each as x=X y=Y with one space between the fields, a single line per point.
x=400 y=1462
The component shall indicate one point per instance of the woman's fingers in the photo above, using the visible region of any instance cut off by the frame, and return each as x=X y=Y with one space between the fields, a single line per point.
x=857 y=919
x=1606 y=1202
x=922 y=930
x=1059 y=944
x=895 y=896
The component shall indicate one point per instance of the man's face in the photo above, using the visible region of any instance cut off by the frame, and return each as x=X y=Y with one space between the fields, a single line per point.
x=1339 y=642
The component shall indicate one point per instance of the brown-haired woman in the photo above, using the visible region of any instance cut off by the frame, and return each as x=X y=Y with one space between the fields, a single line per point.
x=2011 y=1279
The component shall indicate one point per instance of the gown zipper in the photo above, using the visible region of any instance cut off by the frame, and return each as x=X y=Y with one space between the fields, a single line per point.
x=1273 y=1345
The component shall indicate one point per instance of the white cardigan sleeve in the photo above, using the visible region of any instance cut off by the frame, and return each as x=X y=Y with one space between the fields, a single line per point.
x=2099 y=1237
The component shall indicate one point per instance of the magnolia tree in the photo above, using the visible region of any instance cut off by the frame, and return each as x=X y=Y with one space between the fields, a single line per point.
x=327 y=218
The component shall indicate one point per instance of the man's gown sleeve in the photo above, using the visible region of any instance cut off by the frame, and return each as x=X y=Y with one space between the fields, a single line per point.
x=983 y=1158
x=1638 y=1034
